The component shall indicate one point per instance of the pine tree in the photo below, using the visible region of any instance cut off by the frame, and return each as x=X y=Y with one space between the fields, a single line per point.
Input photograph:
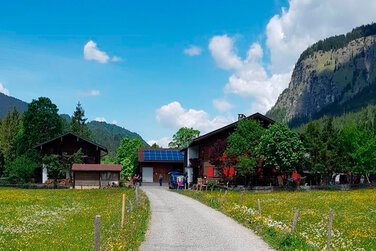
x=9 y=130
x=78 y=122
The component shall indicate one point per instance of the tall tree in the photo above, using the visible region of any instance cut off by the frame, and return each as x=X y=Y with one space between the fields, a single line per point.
x=242 y=145
x=40 y=122
x=9 y=130
x=183 y=137
x=313 y=143
x=127 y=155
x=331 y=153
x=360 y=150
x=78 y=122
x=281 y=148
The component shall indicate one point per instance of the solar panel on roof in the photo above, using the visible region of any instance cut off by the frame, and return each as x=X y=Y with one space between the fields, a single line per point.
x=160 y=155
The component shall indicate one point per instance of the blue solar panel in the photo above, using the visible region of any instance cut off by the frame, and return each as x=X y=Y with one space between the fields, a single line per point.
x=160 y=155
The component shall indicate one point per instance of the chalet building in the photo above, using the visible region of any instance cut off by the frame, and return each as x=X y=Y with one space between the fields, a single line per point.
x=68 y=143
x=153 y=162
x=196 y=162
x=95 y=175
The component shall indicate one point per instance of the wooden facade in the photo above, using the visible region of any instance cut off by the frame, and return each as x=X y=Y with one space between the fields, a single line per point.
x=197 y=154
x=69 y=143
x=161 y=166
x=95 y=175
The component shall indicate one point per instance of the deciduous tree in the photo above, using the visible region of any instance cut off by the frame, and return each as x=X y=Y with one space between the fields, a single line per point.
x=281 y=148
x=20 y=170
x=56 y=169
x=242 y=145
x=40 y=122
x=183 y=137
x=127 y=155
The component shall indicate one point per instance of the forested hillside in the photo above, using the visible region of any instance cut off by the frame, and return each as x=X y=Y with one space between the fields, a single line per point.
x=7 y=103
x=109 y=135
x=364 y=118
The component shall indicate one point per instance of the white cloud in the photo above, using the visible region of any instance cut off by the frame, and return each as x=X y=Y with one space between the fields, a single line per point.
x=91 y=93
x=221 y=48
x=3 y=89
x=91 y=52
x=287 y=36
x=100 y=119
x=116 y=59
x=114 y=122
x=250 y=79
x=306 y=22
x=173 y=115
x=162 y=142
x=222 y=105
x=193 y=51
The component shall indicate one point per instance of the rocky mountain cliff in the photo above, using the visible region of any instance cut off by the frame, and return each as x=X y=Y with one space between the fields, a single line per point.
x=333 y=76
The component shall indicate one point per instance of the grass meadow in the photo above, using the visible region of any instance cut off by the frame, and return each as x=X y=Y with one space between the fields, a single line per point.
x=64 y=219
x=354 y=220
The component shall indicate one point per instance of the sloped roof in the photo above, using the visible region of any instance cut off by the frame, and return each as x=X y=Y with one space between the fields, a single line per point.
x=160 y=155
x=96 y=167
x=257 y=116
x=74 y=134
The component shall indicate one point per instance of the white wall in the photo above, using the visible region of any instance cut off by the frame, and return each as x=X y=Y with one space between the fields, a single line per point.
x=192 y=153
x=44 y=174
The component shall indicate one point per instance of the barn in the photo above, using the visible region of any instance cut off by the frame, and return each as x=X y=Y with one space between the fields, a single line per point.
x=95 y=175
x=68 y=143
x=156 y=161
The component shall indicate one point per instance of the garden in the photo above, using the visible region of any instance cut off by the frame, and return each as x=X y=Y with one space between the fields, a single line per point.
x=64 y=219
x=353 y=219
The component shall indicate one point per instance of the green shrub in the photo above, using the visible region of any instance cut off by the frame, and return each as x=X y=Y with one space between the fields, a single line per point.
x=21 y=170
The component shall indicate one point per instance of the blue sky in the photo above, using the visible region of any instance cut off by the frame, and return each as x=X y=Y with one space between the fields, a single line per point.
x=154 y=87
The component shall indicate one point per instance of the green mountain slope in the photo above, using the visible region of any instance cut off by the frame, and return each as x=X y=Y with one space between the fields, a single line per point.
x=7 y=103
x=332 y=77
x=109 y=135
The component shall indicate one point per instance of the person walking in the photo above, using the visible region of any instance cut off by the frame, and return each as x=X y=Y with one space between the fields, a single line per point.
x=160 y=179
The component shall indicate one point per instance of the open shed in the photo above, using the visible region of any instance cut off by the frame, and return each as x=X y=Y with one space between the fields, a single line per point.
x=86 y=176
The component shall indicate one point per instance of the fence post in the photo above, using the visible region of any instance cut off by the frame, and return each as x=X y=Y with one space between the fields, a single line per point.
x=330 y=224
x=295 y=221
x=136 y=192
x=259 y=206
x=122 y=210
x=212 y=189
x=225 y=198
x=130 y=205
x=242 y=198
x=97 y=233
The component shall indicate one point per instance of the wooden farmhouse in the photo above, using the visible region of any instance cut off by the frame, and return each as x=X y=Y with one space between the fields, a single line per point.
x=68 y=143
x=197 y=163
x=153 y=162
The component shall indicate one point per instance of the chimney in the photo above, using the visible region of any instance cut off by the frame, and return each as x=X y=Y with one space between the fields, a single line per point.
x=241 y=116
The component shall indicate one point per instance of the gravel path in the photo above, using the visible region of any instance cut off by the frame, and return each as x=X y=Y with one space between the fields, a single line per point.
x=181 y=223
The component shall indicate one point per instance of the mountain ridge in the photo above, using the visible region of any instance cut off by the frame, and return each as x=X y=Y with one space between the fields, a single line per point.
x=108 y=135
x=7 y=103
x=330 y=81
